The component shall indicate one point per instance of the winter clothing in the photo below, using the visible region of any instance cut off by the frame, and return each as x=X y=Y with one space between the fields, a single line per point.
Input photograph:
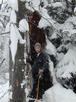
x=41 y=66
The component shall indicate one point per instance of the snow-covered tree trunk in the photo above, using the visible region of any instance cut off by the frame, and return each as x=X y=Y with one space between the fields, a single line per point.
x=17 y=67
x=18 y=90
x=18 y=93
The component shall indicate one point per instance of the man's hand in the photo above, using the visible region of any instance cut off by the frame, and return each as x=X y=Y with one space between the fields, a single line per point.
x=40 y=73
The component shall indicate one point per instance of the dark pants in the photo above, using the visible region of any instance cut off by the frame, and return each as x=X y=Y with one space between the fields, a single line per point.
x=44 y=83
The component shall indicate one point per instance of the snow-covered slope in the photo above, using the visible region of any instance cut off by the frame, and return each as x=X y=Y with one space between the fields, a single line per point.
x=59 y=94
x=67 y=65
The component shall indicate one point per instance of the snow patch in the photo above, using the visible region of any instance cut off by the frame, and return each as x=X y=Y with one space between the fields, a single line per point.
x=23 y=25
x=59 y=94
x=14 y=37
x=50 y=48
x=67 y=65
x=13 y=4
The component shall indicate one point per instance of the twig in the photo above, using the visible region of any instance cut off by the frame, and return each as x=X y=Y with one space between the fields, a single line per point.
x=4 y=33
x=2 y=62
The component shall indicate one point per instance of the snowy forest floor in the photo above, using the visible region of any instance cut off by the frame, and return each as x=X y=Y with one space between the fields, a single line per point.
x=55 y=30
x=4 y=92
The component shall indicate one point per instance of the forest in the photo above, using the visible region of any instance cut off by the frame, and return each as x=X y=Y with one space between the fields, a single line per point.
x=52 y=23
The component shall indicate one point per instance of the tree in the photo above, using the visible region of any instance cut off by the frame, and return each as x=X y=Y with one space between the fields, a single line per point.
x=17 y=69
x=73 y=6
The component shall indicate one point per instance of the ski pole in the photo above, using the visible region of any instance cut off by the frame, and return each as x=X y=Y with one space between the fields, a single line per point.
x=37 y=96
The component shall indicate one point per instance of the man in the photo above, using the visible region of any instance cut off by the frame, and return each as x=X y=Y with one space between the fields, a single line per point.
x=40 y=70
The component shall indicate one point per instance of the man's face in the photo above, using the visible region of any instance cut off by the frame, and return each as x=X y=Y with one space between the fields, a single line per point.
x=37 y=49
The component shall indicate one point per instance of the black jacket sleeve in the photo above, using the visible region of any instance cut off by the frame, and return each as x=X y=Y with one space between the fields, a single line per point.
x=45 y=62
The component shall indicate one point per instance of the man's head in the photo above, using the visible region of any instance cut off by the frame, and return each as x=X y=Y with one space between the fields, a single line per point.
x=38 y=47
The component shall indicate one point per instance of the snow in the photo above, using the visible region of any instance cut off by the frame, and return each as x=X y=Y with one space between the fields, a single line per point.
x=67 y=27
x=3 y=1
x=67 y=65
x=69 y=0
x=14 y=37
x=50 y=48
x=14 y=32
x=46 y=20
x=59 y=94
x=13 y=17
x=44 y=12
x=7 y=29
x=75 y=10
x=71 y=20
x=23 y=25
x=32 y=3
x=57 y=4
x=43 y=23
x=4 y=93
x=67 y=62
x=28 y=6
x=52 y=71
x=13 y=4
x=14 y=41
x=35 y=4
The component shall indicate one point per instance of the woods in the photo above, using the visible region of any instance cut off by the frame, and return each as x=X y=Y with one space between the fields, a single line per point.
x=52 y=23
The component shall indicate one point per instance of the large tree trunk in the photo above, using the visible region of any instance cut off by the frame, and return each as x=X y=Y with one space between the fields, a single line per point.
x=17 y=76
x=17 y=70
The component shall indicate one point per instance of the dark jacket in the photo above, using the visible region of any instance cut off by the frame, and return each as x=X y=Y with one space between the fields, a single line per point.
x=40 y=62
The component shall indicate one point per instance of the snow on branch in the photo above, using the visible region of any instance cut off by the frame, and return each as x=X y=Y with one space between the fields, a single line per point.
x=23 y=25
x=13 y=4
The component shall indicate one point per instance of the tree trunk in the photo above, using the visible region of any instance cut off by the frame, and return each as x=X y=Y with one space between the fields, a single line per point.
x=17 y=76
x=17 y=70
x=73 y=6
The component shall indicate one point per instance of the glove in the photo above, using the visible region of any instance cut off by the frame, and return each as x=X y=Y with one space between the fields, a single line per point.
x=40 y=73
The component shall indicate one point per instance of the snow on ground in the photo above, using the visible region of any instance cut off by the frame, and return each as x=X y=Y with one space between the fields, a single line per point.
x=67 y=64
x=59 y=94
x=4 y=94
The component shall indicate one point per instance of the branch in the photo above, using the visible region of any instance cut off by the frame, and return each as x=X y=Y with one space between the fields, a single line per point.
x=2 y=62
x=43 y=17
x=30 y=4
x=4 y=33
